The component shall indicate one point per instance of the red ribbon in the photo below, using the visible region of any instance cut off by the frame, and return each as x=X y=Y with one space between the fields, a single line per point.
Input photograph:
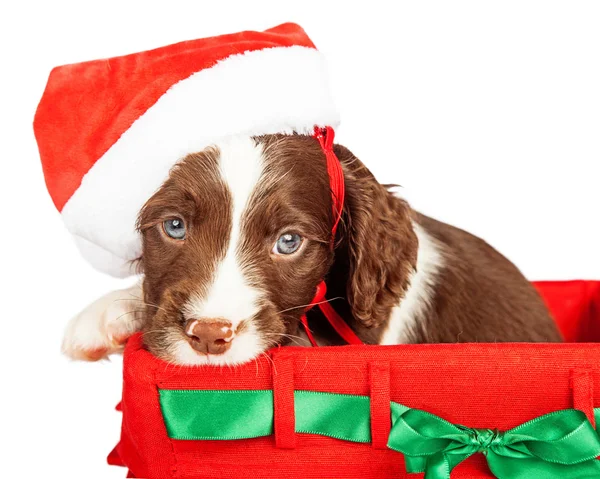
x=335 y=172
x=325 y=137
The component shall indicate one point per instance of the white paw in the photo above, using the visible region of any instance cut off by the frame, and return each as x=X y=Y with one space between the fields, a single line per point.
x=104 y=326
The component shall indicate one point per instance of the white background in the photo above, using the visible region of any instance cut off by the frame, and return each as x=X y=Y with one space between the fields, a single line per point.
x=488 y=113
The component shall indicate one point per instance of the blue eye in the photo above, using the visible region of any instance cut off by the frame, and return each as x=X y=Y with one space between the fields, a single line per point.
x=175 y=228
x=287 y=243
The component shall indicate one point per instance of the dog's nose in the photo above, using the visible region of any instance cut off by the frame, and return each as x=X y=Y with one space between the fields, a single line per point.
x=210 y=336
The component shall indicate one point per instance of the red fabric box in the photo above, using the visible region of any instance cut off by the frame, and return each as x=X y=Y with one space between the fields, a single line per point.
x=489 y=386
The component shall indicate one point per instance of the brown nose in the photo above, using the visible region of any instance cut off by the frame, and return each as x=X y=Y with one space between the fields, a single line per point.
x=209 y=336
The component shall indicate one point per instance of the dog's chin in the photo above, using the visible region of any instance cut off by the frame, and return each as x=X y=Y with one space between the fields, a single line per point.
x=244 y=348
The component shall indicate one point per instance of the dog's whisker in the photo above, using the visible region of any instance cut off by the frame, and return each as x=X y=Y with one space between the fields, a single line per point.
x=256 y=364
x=270 y=359
x=143 y=302
x=307 y=305
x=154 y=331
x=281 y=335
x=135 y=311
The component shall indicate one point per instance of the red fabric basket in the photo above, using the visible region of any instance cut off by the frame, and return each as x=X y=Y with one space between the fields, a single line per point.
x=478 y=385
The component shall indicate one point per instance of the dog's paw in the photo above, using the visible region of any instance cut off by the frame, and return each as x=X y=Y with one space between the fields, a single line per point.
x=104 y=326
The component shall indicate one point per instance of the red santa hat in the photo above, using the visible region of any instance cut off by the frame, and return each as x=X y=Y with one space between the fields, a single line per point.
x=108 y=131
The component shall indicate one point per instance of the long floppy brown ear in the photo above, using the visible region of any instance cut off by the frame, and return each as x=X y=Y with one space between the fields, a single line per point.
x=379 y=242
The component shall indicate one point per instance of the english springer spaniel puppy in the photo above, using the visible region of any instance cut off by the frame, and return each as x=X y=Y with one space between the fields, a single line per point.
x=237 y=238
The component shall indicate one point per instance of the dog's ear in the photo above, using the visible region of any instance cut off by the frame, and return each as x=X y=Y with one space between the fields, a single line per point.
x=379 y=242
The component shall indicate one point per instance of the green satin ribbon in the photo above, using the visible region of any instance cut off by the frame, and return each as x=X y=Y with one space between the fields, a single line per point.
x=558 y=445
x=226 y=415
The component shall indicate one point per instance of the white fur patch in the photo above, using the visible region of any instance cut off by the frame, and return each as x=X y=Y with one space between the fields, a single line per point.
x=275 y=90
x=420 y=292
x=230 y=296
x=101 y=328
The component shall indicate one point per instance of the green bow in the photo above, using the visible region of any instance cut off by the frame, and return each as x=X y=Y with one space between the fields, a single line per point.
x=558 y=445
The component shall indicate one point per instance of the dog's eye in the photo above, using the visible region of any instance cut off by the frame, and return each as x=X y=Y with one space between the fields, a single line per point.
x=175 y=228
x=287 y=243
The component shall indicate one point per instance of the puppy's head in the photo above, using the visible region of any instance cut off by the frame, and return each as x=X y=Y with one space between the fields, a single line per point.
x=237 y=238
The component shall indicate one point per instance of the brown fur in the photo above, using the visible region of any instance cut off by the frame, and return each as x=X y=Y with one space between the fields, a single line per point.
x=479 y=295
x=379 y=244
x=174 y=270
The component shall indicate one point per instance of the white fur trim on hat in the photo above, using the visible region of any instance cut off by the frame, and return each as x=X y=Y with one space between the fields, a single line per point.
x=275 y=90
